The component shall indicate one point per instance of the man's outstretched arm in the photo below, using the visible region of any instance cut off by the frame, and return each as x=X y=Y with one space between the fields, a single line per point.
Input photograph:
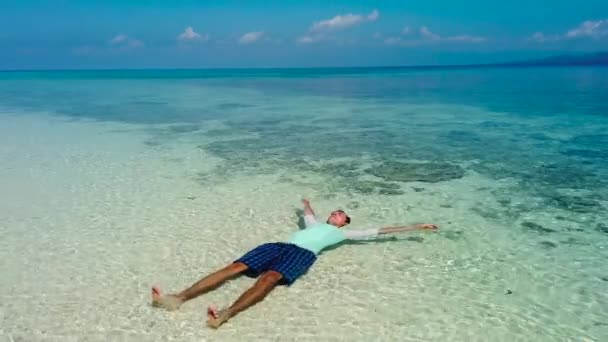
x=370 y=233
x=307 y=208
x=409 y=228
x=309 y=215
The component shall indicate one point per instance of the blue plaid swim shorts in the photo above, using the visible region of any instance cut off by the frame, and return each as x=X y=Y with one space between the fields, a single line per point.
x=289 y=260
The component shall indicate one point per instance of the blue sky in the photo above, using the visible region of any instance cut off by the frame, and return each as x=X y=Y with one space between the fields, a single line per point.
x=64 y=34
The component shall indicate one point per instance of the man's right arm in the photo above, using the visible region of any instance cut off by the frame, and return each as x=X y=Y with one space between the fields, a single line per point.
x=307 y=208
x=309 y=214
x=412 y=227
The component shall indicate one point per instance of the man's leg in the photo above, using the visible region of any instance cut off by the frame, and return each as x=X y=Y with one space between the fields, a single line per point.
x=265 y=284
x=210 y=282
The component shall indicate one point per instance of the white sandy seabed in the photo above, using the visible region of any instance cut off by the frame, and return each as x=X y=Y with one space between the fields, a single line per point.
x=91 y=218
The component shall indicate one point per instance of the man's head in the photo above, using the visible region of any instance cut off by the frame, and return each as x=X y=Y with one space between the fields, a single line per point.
x=338 y=218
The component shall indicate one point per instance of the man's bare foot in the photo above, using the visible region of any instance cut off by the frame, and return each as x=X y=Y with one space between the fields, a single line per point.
x=216 y=317
x=427 y=226
x=169 y=302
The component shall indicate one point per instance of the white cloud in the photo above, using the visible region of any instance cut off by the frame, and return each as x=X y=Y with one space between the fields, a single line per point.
x=124 y=41
x=117 y=44
x=425 y=35
x=251 y=37
x=597 y=29
x=306 y=39
x=373 y=16
x=540 y=37
x=190 y=35
x=403 y=41
x=119 y=39
x=592 y=29
x=340 y=22
x=319 y=30
x=310 y=38
x=393 y=40
x=337 y=22
x=466 y=38
x=136 y=43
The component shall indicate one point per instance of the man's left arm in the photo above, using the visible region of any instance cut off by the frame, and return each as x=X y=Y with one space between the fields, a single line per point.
x=409 y=228
x=369 y=233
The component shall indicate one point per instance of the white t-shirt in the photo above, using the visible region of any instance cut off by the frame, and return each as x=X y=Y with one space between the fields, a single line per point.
x=350 y=234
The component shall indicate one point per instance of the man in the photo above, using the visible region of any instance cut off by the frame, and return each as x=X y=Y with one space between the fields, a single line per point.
x=276 y=263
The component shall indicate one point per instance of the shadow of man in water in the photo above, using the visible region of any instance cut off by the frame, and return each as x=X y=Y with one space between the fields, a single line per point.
x=300 y=215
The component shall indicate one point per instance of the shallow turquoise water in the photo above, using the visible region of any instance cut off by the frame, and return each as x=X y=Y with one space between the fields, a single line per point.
x=540 y=135
x=545 y=127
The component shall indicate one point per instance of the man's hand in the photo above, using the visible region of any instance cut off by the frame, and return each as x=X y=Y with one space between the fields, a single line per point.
x=307 y=208
x=427 y=226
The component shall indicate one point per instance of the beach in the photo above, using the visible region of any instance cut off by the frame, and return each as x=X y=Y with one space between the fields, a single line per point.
x=111 y=185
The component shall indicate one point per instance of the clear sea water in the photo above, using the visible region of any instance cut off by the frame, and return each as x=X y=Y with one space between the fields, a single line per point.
x=113 y=180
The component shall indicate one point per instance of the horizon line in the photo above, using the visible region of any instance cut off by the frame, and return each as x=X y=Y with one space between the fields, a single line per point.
x=551 y=61
x=412 y=67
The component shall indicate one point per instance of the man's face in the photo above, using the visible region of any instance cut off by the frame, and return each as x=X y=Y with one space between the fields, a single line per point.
x=338 y=218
